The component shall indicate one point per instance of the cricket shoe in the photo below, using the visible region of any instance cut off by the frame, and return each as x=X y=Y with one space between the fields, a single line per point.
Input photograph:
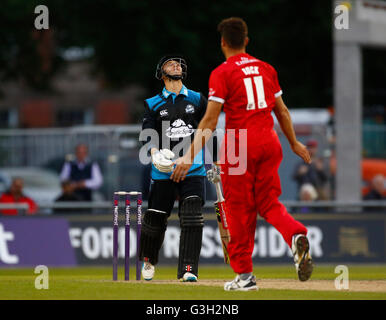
x=189 y=277
x=147 y=271
x=302 y=256
x=241 y=285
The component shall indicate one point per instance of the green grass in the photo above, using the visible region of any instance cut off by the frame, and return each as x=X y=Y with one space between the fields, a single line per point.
x=95 y=283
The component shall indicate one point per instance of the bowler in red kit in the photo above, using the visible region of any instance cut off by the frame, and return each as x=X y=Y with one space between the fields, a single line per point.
x=248 y=89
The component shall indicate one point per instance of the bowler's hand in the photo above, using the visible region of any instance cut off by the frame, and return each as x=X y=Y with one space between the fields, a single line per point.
x=181 y=170
x=301 y=150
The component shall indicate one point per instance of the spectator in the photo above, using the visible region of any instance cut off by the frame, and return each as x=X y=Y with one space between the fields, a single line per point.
x=312 y=173
x=307 y=193
x=377 y=188
x=377 y=192
x=67 y=195
x=84 y=174
x=15 y=195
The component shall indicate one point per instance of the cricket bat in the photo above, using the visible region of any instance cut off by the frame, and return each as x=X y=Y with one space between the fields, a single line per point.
x=220 y=210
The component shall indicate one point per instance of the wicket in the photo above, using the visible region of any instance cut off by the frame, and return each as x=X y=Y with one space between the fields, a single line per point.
x=127 y=233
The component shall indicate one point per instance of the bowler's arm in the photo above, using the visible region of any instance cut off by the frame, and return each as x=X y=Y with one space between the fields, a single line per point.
x=205 y=128
x=284 y=118
x=203 y=133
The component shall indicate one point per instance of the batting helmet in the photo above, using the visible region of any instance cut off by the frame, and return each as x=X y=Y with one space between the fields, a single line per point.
x=175 y=57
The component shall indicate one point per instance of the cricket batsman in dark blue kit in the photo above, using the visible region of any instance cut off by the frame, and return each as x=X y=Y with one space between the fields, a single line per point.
x=173 y=115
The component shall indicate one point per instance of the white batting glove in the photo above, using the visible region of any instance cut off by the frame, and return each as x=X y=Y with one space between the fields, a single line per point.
x=167 y=154
x=213 y=174
x=162 y=160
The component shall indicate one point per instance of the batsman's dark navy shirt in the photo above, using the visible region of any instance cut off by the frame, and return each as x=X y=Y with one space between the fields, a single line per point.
x=175 y=118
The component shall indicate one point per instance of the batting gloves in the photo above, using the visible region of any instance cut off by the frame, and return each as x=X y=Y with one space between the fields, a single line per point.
x=162 y=160
x=213 y=174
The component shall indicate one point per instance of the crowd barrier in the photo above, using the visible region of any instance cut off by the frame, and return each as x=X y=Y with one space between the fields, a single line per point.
x=70 y=240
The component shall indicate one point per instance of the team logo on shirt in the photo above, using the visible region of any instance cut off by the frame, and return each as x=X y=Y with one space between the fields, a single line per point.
x=189 y=109
x=245 y=60
x=179 y=129
x=163 y=113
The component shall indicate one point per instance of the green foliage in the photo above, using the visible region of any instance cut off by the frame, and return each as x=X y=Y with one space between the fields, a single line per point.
x=129 y=37
x=19 y=58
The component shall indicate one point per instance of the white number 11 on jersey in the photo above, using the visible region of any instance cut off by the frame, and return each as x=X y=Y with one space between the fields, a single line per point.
x=261 y=103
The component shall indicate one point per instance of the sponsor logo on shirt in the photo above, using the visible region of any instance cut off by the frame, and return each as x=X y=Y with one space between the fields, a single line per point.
x=189 y=109
x=163 y=113
x=179 y=129
x=245 y=61
x=211 y=92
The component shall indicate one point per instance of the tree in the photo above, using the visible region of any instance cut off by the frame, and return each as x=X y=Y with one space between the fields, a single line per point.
x=129 y=37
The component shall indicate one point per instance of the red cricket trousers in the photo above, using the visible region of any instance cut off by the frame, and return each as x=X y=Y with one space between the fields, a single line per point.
x=255 y=191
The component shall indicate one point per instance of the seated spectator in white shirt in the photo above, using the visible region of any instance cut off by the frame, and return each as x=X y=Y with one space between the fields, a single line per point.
x=84 y=174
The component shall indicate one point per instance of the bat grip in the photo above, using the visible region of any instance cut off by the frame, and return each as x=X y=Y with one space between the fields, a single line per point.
x=220 y=197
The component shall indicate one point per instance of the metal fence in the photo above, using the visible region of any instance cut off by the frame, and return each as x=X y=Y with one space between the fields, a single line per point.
x=114 y=147
x=106 y=207
x=116 y=150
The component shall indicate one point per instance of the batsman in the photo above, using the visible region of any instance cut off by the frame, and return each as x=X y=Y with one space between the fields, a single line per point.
x=169 y=123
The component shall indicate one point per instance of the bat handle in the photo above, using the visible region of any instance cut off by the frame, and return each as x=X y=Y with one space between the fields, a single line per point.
x=220 y=197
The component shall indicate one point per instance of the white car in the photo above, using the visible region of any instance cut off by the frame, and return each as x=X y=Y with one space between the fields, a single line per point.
x=42 y=185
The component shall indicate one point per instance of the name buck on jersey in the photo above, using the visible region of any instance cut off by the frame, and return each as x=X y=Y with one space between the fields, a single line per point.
x=250 y=70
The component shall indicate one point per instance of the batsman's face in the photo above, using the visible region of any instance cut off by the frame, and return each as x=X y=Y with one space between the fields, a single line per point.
x=173 y=68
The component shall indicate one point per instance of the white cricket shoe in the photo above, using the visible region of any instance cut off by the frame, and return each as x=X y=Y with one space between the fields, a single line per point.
x=147 y=271
x=302 y=257
x=241 y=285
x=189 y=277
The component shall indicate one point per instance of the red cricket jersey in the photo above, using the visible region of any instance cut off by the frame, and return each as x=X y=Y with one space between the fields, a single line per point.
x=248 y=88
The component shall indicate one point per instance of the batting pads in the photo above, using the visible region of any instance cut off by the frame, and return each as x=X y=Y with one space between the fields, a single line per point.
x=152 y=236
x=192 y=223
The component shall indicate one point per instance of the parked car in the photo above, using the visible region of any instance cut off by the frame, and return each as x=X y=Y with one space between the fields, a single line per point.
x=42 y=185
